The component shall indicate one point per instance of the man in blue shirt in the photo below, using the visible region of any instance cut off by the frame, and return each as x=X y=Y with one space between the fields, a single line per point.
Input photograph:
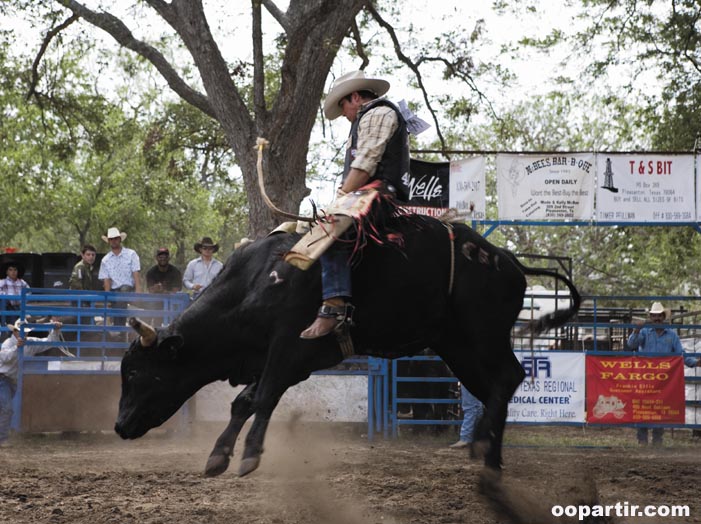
x=657 y=339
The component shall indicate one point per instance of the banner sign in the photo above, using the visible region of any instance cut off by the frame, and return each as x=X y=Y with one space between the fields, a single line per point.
x=553 y=390
x=645 y=188
x=623 y=390
x=434 y=187
x=541 y=187
x=467 y=188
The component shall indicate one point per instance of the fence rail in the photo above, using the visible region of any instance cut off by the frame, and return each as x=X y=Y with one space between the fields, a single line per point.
x=96 y=337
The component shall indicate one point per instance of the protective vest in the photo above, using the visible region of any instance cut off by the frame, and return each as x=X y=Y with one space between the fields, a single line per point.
x=394 y=163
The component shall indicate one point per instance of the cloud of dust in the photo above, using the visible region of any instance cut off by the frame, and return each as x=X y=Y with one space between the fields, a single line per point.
x=305 y=459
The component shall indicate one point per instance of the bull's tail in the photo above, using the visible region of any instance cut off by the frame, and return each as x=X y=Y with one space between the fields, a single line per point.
x=558 y=317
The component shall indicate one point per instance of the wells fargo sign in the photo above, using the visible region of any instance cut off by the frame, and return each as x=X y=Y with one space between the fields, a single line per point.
x=635 y=389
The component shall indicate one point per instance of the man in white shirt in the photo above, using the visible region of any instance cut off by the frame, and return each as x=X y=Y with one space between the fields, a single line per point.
x=200 y=272
x=9 y=368
x=119 y=270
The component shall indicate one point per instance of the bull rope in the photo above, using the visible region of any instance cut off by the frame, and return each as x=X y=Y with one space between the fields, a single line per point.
x=260 y=144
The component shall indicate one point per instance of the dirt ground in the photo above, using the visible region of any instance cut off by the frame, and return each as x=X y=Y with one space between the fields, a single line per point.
x=329 y=474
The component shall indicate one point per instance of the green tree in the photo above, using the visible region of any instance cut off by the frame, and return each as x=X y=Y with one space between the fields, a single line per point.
x=75 y=164
x=276 y=92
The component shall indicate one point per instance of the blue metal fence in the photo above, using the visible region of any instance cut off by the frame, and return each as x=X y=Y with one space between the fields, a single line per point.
x=96 y=340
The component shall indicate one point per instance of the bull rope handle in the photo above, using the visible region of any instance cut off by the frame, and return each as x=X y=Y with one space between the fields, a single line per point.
x=260 y=144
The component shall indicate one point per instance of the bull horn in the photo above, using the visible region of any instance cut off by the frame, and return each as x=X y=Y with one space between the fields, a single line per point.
x=260 y=144
x=147 y=332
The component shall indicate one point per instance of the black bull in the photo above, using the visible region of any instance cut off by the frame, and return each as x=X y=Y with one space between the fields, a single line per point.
x=245 y=328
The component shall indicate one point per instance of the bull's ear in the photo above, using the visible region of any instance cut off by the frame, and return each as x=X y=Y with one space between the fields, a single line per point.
x=171 y=343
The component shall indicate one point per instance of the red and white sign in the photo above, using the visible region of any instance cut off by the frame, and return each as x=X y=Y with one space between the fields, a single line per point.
x=624 y=390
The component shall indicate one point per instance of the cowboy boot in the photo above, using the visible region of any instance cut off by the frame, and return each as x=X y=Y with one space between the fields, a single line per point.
x=331 y=315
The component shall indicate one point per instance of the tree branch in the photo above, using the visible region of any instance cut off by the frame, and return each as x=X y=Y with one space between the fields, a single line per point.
x=188 y=20
x=400 y=54
x=359 y=47
x=44 y=46
x=278 y=15
x=258 y=61
x=455 y=71
x=121 y=33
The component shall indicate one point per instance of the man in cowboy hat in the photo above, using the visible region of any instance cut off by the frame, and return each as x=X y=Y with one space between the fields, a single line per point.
x=200 y=271
x=120 y=269
x=377 y=149
x=9 y=367
x=657 y=339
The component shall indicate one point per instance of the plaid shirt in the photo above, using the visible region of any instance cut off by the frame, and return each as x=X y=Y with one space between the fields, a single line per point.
x=12 y=287
x=374 y=131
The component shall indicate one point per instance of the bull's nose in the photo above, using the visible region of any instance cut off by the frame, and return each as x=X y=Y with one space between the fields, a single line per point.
x=118 y=429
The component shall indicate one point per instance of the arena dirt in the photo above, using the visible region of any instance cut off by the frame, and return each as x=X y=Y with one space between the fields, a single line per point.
x=325 y=474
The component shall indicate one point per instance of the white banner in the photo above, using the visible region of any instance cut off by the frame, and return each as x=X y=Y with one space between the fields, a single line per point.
x=645 y=188
x=553 y=390
x=467 y=188
x=540 y=187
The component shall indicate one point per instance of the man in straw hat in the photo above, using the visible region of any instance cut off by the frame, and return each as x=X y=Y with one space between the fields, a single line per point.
x=657 y=339
x=9 y=368
x=377 y=150
x=200 y=271
x=120 y=269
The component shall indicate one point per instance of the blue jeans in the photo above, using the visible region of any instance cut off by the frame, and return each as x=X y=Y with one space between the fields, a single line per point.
x=471 y=412
x=336 y=271
x=7 y=393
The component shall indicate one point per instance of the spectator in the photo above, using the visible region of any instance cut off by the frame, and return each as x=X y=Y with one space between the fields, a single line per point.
x=9 y=369
x=164 y=277
x=200 y=272
x=119 y=269
x=657 y=339
x=12 y=284
x=471 y=413
x=85 y=272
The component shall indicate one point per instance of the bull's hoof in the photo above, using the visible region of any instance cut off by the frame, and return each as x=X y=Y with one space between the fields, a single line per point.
x=248 y=465
x=216 y=465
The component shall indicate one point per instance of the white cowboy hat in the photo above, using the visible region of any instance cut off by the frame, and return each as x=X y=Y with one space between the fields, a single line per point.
x=657 y=308
x=18 y=324
x=113 y=232
x=347 y=84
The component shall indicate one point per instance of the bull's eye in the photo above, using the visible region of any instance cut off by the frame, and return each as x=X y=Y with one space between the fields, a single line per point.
x=131 y=375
